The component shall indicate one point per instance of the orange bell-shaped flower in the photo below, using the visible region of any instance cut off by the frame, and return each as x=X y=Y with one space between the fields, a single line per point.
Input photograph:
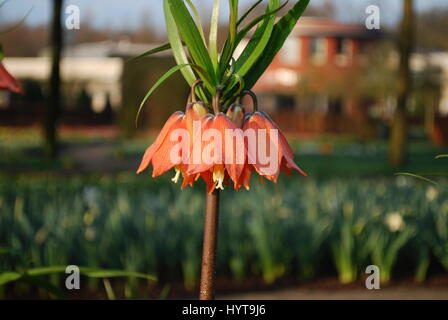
x=269 y=137
x=219 y=148
x=169 y=141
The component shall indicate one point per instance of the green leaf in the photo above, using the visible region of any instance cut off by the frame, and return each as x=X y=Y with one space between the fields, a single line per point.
x=177 y=45
x=99 y=273
x=162 y=48
x=162 y=79
x=236 y=80
x=213 y=41
x=9 y=276
x=42 y=271
x=258 y=42
x=416 y=176
x=229 y=49
x=280 y=33
x=179 y=52
x=109 y=290
x=244 y=16
x=193 y=40
x=197 y=18
x=226 y=56
x=270 y=14
x=88 y=272
x=233 y=20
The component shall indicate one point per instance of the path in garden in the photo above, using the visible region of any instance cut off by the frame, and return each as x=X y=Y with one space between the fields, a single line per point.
x=98 y=157
x=392 y=293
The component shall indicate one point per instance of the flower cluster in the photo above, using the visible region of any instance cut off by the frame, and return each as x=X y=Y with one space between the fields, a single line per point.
x=220 y=162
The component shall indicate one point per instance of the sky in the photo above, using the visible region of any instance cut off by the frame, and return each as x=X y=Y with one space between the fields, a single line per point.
x=119 y=14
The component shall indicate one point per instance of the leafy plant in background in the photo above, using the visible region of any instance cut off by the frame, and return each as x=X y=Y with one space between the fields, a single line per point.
x=440 y=241
x=218 y=80
x=37 y=277
x=344 y=247
x=432 y=231
x=309 y=233
x=17 y=268
x=266 y=227
x=386 y=238
x=127 y=209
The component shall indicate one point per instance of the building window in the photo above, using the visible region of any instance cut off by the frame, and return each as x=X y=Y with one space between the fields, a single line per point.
x=343 y=47
x=285 y=102
x=318 y=50
x=291 y=52
x=335 y=106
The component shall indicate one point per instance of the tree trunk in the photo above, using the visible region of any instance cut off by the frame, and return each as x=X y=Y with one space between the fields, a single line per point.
x=54 y=101
x=399 y=130
x=430 y=113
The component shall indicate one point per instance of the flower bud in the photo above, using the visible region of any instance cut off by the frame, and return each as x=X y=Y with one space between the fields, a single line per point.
x=236 y=114
x=199 y=108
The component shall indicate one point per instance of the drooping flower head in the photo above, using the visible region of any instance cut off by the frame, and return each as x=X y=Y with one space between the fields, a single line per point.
x=220 y=148
x=270 y=138
x=159 y=154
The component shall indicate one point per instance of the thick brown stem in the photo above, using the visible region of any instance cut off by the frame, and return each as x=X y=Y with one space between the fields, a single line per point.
x=207 y=285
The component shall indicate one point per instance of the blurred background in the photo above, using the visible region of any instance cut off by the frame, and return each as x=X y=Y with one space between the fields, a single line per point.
x=358 y=106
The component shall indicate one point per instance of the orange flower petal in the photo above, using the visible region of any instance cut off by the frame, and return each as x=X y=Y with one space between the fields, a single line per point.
x=8 y=82
x=260 y=120
x=189 y=180
x=149 y=153
x=207 y=176
x=234 y=155
x=196 y=161
x=161 y=160
x=257 y=122
x=287 y=151
x=244 y=179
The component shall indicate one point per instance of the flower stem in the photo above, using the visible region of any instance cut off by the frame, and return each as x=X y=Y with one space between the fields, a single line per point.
x=207 y=285
x=216 y=103
x=253 y=96
x=208 y=273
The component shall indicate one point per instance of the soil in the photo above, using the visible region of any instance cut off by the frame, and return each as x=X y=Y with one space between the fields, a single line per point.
x=435 y=288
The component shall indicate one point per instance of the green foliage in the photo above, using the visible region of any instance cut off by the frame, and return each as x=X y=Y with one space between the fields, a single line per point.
x=35 y=276
x=142 y=225
x=219 y=71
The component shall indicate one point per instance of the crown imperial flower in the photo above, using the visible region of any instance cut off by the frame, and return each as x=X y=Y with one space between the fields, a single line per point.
x=220 y=148
x=214 y=139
